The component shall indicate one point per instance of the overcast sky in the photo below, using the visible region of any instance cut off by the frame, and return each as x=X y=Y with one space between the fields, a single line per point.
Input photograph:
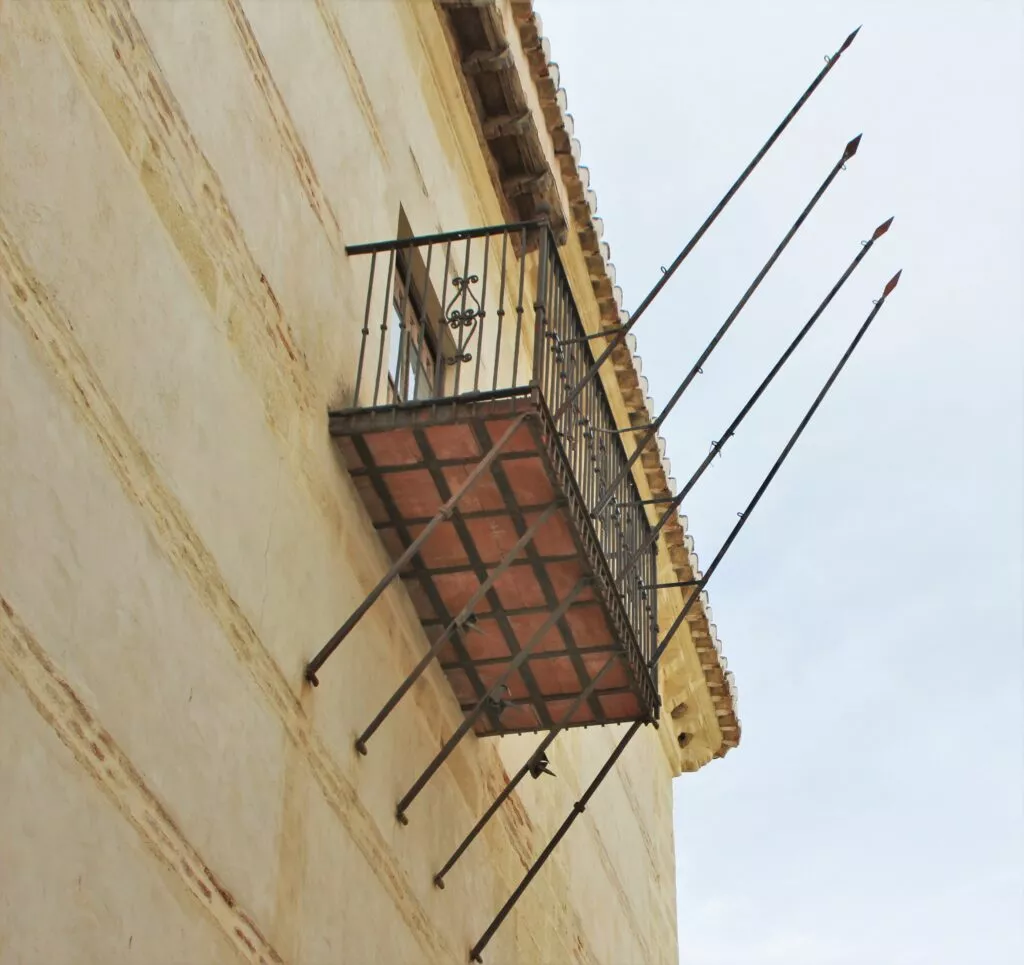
x=872 y=608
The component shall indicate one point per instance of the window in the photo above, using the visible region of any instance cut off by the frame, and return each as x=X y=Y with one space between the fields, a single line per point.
x=412 y=344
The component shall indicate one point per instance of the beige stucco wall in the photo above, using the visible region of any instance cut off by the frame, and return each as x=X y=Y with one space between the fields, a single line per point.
x=177 y=534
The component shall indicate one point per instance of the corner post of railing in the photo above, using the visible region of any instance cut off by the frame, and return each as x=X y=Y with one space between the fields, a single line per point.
x=544 y=253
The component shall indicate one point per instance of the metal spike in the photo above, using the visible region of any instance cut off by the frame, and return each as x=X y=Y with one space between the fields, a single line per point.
x=539 y=765
x=530 y=766
x=851 y=148
x=881 y=229
x=471 y=625
x=893 y=282
x=847 y=42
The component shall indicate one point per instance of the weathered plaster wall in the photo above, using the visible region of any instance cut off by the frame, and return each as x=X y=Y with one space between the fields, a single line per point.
x=177 y=535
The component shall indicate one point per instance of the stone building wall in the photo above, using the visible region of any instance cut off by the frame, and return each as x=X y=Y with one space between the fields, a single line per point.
x=178 y=181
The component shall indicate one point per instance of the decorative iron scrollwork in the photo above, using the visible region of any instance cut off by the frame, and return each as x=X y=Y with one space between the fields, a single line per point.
x=463 y=314
x=467 y=314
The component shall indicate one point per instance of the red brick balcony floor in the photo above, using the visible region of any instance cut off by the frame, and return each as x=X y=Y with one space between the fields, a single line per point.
x=406 y=461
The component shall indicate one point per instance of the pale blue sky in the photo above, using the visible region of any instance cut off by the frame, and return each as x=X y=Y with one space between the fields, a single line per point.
x=872 y=609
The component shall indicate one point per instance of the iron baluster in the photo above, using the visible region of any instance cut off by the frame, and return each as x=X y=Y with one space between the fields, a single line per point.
x=540 y=304
x=384 y=325
x=424 y=323
x=456 y=317
x=439 y=355
x=404 y=337
x=500 y=314
x=481 y=315
x=519 y=307
x=365 y=332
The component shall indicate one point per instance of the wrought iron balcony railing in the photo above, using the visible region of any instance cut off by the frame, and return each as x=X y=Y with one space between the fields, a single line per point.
x=483 y=458
x=462 y=315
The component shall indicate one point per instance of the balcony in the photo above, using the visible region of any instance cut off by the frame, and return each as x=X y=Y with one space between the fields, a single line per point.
x=464 y=423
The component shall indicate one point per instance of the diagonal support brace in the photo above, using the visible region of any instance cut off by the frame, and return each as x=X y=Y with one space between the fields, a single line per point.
x=456 y=625
x=577 y=809
x=442 y=514
x=527 y=768
x=514 y=664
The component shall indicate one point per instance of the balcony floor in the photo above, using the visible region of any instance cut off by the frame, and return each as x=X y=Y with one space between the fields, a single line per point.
x=406 y=461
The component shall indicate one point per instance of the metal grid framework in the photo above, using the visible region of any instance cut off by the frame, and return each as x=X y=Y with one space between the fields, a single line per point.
x=460 y=336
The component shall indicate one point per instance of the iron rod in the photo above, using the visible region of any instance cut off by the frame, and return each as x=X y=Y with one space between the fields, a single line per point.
x=382 y=348
x=766 y=482
x=459 y=317
x=608 y=332
x=478 y=594
x=692 y=243
x=577 y=809
x=719 y=444
x=443 y=330
x=514 y=664
x=641 y=444
x=443 y=513
x=519 y=308
x=424 y=324
x=481 y=315
x=699 y=587
x=502 y=280
x=541 y=302
x=365 y=332
x=404 y=335
x=511 y=785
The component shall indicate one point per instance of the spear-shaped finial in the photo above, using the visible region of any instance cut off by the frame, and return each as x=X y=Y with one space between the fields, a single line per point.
x=539 y=754
x=851 y=148
x=892 y=283
x=580 y=806
x=881 y=229
x=847 y=42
